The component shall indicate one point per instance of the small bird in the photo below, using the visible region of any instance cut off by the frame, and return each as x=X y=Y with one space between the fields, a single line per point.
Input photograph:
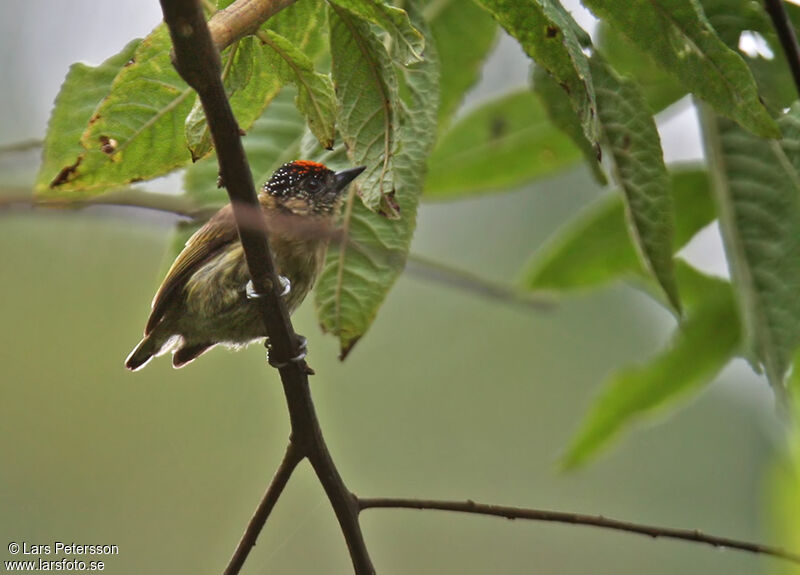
x=206 y=298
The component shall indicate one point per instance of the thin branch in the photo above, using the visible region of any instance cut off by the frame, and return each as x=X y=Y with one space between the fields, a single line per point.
x=242 y=18
x=427 y=269
x=577 y=519
x=780 y=20
x=21 y=146
x=290 y=460
x=197 y=61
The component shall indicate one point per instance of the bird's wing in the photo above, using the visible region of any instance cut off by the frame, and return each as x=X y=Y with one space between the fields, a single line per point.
x=202 y=246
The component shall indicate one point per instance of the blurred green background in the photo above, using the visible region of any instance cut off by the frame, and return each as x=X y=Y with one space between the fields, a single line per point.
x=448 y=395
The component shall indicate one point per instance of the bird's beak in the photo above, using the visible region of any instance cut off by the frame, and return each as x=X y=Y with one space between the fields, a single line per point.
x=346 y=176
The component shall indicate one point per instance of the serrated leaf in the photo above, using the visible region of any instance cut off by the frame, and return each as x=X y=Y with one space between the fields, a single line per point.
x=358 y=274
x=563 y=117
x=504 y=143
x=83 y=89
x=137 y=130
x=250 y=84
x=679 y=38
x=408 y=41
x=757 y=190
x=659 y=88
x=273 y=140
x=464 y=34
x=702 y=345
x=596 y=248
x=547 y=33
x=302 y=24
x=315 y=97
x=629 y=132
x=366 y=87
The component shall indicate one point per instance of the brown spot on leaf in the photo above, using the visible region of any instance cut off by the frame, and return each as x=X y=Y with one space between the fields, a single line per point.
x=130 y=62
x=108 y=145
x=66 y=174
x=626 y=141
x=94 y=119
x=389 y=207
x=551 y=32
x=565 y=87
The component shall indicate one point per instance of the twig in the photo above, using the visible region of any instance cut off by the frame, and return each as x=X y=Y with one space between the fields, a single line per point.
x=576 y=519
x=21 y=146
x=290 y=460
x=430 y=270
x=197 y=61
x=780 y=20
x=241 y=18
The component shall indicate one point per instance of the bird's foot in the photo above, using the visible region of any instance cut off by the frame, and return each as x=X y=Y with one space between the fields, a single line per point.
x=300 y=358
x=251 y=293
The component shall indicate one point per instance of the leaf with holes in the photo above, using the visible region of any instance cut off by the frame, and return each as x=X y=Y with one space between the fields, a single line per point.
x=359 y=273
x=596 y=248
x=504 y=143
x=83 y=89
x=757 y=190
x=680 y=39
x=408 y=42
x=551 y=38
x=702 y=345
x=366 y=87
x=137 y=130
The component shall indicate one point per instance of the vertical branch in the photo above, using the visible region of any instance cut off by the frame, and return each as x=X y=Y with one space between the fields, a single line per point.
x=197 y=61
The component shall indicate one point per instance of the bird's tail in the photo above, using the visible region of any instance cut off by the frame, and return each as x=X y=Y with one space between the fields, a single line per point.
x=142 y=353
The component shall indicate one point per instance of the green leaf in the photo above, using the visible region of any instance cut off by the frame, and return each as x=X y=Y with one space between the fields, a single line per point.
x=563 y=117
x=730 y=18
x=504 y=143
x=547 y=33
x=315 y=97
x=464 y=34
x=408 y=40
x=250 y=84
x=273 y=140
x=359 y=273
x=629 y=132
x=757 y=189
x=702 y=345
x=679 y=38
x=366 y=87
x=137 y=130
x=595 y=248
x=83 y=89
x=660 y=89
x=302 y=24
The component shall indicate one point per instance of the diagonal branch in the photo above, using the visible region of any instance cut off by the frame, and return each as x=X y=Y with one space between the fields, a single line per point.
x=290 y=460
x=470 y=506
x=242 y=18
x=197 y=61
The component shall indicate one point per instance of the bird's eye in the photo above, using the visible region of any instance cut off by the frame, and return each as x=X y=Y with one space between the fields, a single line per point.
x=313 y=185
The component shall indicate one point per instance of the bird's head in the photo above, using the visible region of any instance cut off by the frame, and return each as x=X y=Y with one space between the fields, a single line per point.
x=307 y=188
